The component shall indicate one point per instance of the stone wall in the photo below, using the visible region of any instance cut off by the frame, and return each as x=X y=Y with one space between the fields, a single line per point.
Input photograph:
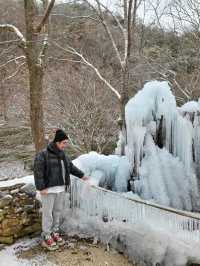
x=19 y=213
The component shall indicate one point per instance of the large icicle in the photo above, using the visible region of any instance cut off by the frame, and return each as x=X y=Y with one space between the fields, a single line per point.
x=152 y=103
x=153 y=120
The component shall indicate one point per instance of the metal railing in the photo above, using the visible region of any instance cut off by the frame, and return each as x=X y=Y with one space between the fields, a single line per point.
x=109 y=206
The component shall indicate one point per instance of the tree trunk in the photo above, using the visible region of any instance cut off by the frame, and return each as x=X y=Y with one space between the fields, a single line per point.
x=36 y=109
x=3 y=107
x=123 y=101
x=36 y=72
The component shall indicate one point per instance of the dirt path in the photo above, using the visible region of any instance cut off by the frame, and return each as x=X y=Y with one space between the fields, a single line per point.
x=77 y=253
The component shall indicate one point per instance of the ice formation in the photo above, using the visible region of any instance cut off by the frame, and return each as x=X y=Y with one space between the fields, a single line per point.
x=162 y=151
x=162 y=146
x=111 y=172
x=147 y=233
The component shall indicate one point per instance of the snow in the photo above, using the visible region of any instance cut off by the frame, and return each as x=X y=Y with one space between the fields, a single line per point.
x=15 y=181
x=9 y=255
x=142 y=243
x=190 y=107
x=141 y=231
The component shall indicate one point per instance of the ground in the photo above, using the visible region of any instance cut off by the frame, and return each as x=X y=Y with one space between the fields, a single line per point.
x=76 y=252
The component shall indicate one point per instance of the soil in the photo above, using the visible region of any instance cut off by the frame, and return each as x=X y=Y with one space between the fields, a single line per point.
x=77 y=253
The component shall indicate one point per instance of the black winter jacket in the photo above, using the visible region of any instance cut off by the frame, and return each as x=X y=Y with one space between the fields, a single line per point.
x=48 y=168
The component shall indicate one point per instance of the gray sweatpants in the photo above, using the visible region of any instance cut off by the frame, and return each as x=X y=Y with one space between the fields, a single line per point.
x=52 y=205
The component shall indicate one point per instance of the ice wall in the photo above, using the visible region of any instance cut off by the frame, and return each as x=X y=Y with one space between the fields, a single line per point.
x=162 y=151
x=162 y=146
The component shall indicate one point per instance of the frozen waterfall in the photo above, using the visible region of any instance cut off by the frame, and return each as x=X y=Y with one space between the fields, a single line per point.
x=162 y=153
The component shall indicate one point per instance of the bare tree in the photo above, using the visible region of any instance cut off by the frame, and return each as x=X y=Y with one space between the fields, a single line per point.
x=125 y=23
x=34 y=44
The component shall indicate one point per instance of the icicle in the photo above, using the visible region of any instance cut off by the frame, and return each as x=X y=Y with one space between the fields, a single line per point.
x=110 y=206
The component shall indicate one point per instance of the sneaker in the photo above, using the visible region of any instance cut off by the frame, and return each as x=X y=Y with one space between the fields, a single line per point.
x=49 y=244
x=58 y=239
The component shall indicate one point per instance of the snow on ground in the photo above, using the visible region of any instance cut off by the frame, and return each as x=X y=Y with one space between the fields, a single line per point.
x=9 y=255
x=15 y=181
x=141 y=242
x=13 y=169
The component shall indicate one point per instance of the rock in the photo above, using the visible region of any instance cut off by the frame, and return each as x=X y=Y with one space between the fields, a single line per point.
x=6 y=240
x=28 y=208
x=71 y=245
x=16 y=186
x=14 y=191
x=32 y=228
x=1 y=215
x=5 y=178
x=5 y=201
x=10 y=231
x=2 y=246
x=29 y=189
x=83 y=248
x=11 y=222
x=2 y=194
x=18 y=210
x=19 y=213
x=24 y=219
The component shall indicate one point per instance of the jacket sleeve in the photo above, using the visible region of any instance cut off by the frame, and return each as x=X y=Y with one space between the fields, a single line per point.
x=75 y=171
x=39 y=171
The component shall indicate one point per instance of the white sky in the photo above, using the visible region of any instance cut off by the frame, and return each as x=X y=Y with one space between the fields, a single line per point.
x=145 y=12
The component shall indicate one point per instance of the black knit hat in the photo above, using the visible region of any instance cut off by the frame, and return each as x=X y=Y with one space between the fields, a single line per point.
x=60 y=136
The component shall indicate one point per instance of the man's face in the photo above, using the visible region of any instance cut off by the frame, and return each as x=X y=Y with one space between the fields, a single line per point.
x=62 y=144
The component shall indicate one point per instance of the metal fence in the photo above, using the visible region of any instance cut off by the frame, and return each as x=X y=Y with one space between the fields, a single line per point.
x=109 y=206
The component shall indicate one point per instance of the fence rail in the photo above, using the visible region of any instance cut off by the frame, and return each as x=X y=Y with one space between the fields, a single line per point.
x=109 y=206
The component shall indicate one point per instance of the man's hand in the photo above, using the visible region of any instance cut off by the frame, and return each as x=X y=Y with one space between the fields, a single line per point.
x=44 y=191
x=85 y=177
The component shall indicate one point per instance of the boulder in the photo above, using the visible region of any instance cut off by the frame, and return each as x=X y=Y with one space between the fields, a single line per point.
x=29 y=189
x=5 y=201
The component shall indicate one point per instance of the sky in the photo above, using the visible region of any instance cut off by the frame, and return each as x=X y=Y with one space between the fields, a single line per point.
x=146 y=12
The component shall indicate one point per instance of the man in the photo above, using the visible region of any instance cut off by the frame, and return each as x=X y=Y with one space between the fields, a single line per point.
x=52 y=169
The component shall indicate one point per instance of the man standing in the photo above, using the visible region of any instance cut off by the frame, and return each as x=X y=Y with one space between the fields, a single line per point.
x=52 y=169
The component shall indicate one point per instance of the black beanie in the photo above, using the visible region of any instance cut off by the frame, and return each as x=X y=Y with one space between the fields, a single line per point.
x=60 y=136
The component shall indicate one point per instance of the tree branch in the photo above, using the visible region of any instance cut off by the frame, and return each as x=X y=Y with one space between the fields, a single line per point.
x=12 y=28
x=71 y=50
x=45 y=17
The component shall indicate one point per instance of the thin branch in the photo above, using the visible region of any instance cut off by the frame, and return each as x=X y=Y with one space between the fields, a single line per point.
x=75 y=17
x=99 y=12
x=63 y=59
x=46 y=16
x=12 y=60
x=71 y=50
x=12 y=28
x=15 y=73
x=10 y=41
